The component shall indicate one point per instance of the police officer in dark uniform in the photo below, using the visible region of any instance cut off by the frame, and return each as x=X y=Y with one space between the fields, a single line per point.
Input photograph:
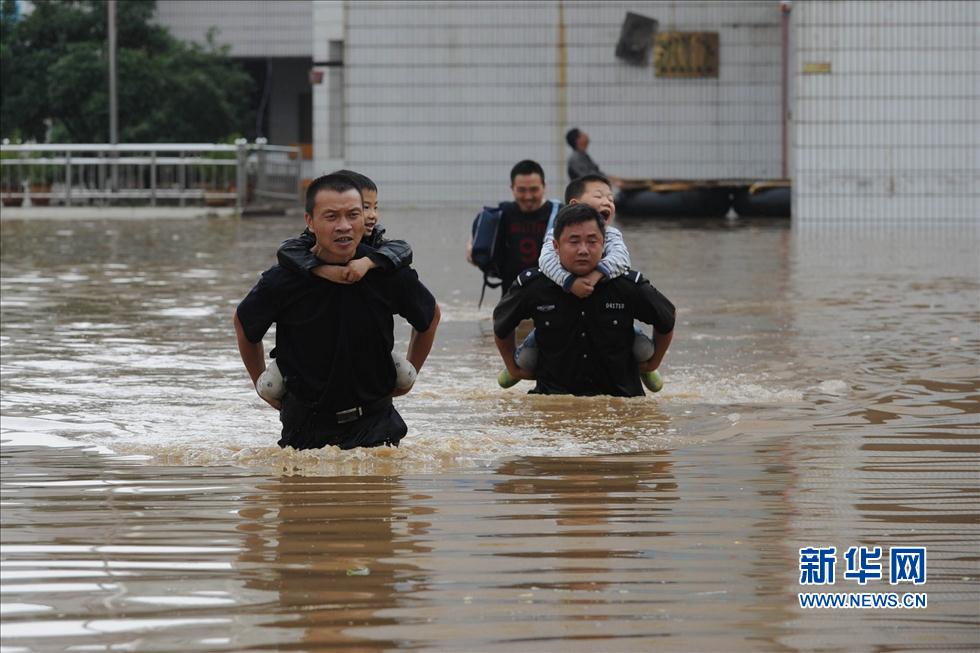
x=585 y=345
x=333 y=340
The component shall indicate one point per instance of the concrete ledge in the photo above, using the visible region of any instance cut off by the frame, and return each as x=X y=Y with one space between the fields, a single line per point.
x=114 y=212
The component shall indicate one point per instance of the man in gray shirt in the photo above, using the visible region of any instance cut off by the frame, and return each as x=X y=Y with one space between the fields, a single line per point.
x=580 y=163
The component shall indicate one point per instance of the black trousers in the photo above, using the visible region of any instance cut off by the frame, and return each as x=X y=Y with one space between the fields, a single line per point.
x=307 y=427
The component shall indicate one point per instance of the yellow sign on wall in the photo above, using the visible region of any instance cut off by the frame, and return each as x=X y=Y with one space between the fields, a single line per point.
x=816 y=68
x=686 y=54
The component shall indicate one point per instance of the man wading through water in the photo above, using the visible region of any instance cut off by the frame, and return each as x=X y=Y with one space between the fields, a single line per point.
x=334 y=341
x=523 y=223
x=585 y=345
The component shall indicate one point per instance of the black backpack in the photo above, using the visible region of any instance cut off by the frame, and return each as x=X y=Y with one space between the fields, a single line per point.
x=486 y=240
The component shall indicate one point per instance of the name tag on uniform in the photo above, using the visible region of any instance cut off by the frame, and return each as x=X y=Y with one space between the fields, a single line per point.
x=615 y=306
x=544 y=308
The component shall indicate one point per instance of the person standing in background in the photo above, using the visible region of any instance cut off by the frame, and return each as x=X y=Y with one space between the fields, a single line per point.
x=580 y=163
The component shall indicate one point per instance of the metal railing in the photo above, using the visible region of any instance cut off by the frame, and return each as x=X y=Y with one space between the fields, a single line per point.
x=175 y=174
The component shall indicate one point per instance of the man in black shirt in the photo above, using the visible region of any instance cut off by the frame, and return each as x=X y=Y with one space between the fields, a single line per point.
x=334 y=341
x=585 y=345
x=523 y=222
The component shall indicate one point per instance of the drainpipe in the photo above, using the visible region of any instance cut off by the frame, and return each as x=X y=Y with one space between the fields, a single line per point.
x=785 y=6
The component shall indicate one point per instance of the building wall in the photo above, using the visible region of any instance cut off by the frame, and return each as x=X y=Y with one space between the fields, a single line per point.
x=252 y=28
x=280 y=33
x=892 y=132
x=443 y=98
x=329 y=133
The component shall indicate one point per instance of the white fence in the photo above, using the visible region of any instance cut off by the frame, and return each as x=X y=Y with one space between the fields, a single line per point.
x=174 y=174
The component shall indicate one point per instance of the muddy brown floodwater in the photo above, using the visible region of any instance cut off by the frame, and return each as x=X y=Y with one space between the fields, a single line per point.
x=822 y=390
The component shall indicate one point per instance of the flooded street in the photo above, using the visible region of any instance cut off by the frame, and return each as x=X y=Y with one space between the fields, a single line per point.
x=821 y=390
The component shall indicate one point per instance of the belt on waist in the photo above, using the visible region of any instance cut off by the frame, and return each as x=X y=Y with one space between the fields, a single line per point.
x=351 y=414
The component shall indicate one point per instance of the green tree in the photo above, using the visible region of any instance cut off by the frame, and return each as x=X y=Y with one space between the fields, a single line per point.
x=55 y=71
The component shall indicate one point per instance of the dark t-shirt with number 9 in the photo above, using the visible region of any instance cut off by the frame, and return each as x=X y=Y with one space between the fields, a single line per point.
x=522 y=236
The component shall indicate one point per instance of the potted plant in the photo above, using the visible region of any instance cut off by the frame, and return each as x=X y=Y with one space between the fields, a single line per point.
x=220 y=178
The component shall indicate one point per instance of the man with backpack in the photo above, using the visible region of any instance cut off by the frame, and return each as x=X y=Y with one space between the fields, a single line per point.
x=506 y=239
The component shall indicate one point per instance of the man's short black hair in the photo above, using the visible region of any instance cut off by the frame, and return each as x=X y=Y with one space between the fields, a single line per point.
x=526 y=167
x=334 y=181
x=576 y=214
x=576 y=187
x=363 y=182
x=571 y=137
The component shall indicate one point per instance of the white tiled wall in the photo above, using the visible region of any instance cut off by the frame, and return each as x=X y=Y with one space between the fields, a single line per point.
x=253 y=28
x=327 y=25
x=440 y=98
x=893 y=132
x=444 y=97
